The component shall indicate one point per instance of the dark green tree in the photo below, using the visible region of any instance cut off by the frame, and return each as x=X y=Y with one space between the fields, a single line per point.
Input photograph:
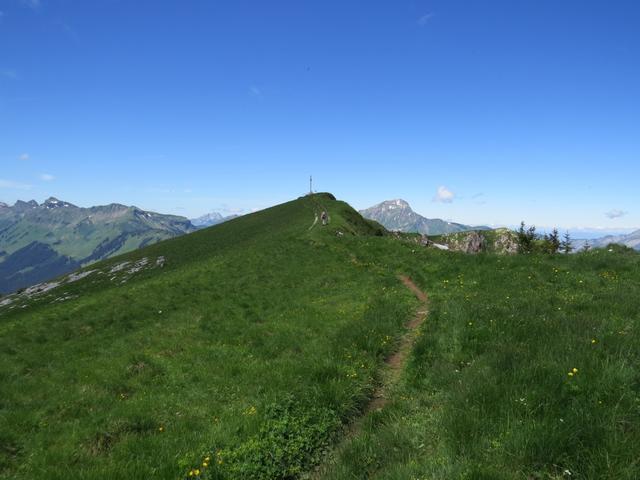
x=526 y=238
x=566 y=245
x=553 y=242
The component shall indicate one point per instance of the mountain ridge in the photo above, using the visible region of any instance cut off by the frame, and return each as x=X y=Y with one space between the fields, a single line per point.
x=398 y=215
x=39 y=241
x=631 y=240
x=211 y=219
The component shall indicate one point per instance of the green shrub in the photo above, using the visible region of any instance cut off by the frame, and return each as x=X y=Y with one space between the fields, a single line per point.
x=290 y=440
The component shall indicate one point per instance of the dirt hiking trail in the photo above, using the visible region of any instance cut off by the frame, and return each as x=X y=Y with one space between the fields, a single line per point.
x=395 y=363
x=390 y=371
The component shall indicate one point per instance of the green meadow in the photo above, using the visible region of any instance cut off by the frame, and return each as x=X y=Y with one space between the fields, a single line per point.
x=526 y=368
x=249 y=353
x=141 y=379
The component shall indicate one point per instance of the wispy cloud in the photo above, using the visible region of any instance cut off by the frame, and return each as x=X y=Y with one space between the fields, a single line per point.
x=46 y=177
x=32 y=4
x=69 y=31
x=424 y=19
x=479 y=198
x=615 y=213
x=24 y=157
x=226 y=209
x=160 y=189
x=254 y=91
x=14 y=185
x=444 y=195
x=8 y=73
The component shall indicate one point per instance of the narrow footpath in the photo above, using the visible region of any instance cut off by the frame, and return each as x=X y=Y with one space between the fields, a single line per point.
x=394 y=364
x=391 y=370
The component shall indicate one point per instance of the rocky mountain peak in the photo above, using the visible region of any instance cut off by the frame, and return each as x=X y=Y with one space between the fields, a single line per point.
x=19 y=205
x=210 y=219
x=397 y=215
x=53 y=202
x=398 y=203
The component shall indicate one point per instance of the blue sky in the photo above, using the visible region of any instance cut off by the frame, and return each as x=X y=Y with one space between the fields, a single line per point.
x=478 y=111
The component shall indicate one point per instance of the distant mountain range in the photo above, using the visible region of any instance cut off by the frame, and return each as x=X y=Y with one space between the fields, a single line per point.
x=42 y=241
x=211 y=219
x=397 y=215
x=631 y=240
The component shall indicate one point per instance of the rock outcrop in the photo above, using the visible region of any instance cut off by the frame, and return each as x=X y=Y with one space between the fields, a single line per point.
x=506 y=242
x=469 y=242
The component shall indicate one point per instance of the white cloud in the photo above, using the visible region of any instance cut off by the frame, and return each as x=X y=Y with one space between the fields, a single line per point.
x=444 y=195
x=424 y=19
x=14 y=185
x=24 y=157
x=45 y=177
x=615 y=213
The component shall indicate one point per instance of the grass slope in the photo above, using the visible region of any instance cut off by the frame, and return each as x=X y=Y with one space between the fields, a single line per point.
x=251 y=322
x=261 y=337
x=491 y=391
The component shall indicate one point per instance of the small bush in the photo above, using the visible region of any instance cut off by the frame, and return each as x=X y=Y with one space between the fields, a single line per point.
x=290 y=441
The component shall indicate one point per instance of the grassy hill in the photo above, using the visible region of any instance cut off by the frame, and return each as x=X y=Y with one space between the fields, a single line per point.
x=242 y=351
x=137 y=374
